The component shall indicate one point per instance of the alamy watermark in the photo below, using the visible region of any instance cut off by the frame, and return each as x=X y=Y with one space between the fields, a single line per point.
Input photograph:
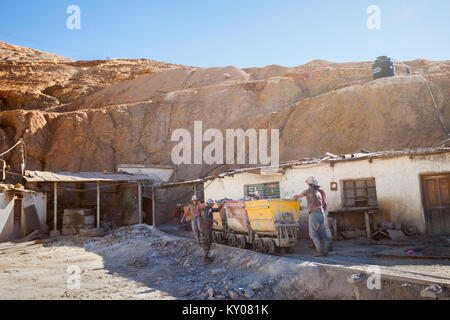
x=371 y=278
x=74 y=278
x=374 y=20
x=74 y=20
x=191 y=151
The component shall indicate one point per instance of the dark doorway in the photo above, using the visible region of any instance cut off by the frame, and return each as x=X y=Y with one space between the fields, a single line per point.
x=18 y=218
x=147 y=207
x=436 y=203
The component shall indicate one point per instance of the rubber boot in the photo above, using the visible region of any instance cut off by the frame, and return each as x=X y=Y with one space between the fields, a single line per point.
x=317 y=245
x=324 y=246
x=317 y=254
x=206 y=258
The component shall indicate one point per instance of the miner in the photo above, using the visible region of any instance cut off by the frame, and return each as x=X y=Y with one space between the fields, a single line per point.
x=195 y=209
x=207 y=227
x=315 y=203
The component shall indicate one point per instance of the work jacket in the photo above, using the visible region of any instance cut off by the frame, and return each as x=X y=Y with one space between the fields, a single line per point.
x=209 y=218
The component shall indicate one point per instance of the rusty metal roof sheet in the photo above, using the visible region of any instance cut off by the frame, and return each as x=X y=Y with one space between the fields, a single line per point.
x=327 y=159
x=47 y=176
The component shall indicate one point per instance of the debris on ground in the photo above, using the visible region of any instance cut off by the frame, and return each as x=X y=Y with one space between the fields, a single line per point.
x=396 y=234
x=354 y=234
x=143 y=262
x=435 y=292
x=284 y=218
x=380 y=235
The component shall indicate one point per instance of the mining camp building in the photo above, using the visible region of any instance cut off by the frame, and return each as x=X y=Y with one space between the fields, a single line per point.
x=406 y=187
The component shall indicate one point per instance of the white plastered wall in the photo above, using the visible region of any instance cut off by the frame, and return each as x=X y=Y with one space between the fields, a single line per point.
x=397 y=183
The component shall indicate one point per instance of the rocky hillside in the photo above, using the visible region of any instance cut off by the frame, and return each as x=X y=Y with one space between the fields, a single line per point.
x=94 y=115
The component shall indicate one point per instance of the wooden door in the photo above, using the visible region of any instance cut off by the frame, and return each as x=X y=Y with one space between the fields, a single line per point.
x=436 y=203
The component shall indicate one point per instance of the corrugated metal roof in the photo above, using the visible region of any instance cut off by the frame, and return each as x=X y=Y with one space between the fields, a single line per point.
x=13 y=188
x=328 y=159
x=46 y=176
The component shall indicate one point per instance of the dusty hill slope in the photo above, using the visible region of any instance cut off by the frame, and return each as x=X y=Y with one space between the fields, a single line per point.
x=94 y=115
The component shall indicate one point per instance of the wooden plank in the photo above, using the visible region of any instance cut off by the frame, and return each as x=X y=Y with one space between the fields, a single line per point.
x=30 y=236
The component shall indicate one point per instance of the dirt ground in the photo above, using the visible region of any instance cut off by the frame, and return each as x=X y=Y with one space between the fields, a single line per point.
x=143 y=262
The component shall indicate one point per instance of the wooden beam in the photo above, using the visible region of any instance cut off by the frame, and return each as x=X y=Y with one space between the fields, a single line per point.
x=55 y=207
x=139 y=185
x=153 y=207
x=98 y=204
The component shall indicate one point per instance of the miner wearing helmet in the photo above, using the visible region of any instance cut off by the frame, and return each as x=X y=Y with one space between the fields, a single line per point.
x=195 y=209
x=207 y=227
x=316 y=203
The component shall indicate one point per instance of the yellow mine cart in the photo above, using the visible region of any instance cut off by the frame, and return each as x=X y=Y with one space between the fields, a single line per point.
x=274 y=223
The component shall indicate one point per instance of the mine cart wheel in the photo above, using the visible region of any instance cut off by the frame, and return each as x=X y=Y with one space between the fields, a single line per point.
x=258 y=245
x=269 y=247
x=232 y=240
x=242 y=242
x=288 y=249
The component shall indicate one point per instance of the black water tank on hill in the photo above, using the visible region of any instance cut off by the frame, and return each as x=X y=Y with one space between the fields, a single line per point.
x=383 y=67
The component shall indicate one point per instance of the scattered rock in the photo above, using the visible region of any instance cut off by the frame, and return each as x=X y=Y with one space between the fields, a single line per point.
x=232 y=295
x=210 y=291
x=215 y=272
x=255 y=286
x=249 y=293
x=435 y=291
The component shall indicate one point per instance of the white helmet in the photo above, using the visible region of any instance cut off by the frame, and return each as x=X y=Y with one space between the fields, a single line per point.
x=313 y=181
x=210 y=201
x=194 y=198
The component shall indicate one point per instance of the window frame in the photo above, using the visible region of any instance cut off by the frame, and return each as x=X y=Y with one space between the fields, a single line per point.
x=246 y=194
x=366 y=198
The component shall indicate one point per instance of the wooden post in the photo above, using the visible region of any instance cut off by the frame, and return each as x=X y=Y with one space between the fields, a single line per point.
x=335 y=227
x=367 y=220
x=195 y=189
x=77 y=195
x=139 y=185
x=153 y=207
x=98 y=204
x=55 y=208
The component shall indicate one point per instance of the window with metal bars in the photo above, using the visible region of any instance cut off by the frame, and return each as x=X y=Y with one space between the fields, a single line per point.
x=360 y=193
x=269 y=190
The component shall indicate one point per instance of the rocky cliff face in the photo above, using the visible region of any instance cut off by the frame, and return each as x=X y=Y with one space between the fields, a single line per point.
x=94 y=115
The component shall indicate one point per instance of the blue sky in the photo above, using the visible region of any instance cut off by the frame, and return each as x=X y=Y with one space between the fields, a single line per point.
x=243 y=33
